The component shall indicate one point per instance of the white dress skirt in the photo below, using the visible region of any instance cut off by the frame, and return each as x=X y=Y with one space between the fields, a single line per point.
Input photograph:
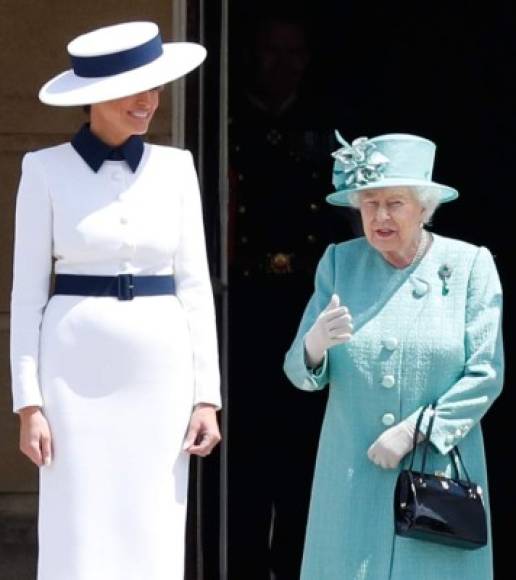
x=117 y=380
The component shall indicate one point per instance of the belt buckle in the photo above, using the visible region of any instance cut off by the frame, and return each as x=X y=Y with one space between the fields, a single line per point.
x=125 y=287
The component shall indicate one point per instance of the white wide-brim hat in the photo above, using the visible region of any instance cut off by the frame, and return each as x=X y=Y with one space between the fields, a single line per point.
x=118 y=61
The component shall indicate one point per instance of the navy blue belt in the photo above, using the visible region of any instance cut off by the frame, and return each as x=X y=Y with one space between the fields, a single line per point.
x=123 y=286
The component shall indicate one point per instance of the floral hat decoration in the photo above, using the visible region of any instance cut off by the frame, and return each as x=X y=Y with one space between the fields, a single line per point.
x=393 y=160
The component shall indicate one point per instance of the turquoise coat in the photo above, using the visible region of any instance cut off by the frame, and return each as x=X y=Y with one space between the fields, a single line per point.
x=413 y=343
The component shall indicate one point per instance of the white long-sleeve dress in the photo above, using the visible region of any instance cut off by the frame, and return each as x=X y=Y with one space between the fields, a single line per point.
x=117 y=379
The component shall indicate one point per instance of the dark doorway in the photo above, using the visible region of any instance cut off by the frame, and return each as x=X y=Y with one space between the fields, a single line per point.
x=444 y=71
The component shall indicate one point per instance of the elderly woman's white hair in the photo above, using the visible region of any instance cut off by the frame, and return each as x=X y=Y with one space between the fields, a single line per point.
x=428 y=197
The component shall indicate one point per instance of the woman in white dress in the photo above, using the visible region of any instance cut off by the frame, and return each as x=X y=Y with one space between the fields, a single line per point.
x=115 y=375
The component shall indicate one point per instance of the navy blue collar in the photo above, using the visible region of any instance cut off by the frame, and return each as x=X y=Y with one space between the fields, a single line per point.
x=94 y=151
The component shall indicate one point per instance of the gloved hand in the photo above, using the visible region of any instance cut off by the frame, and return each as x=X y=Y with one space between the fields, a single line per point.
x=333 y=326
x=392 y=445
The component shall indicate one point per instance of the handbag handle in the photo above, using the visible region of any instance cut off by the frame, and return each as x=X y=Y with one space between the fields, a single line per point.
x=454 y=453
x=459 y=464
x=427 y=436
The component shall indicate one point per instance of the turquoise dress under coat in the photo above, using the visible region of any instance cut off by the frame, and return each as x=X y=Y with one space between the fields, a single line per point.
x=412 y=344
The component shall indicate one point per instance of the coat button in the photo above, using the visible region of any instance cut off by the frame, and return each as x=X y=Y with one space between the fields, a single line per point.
x=124 y=221
x=419 y=287
x=116 y=176
x=388 y=381
x=390 y=343
x=388 y=419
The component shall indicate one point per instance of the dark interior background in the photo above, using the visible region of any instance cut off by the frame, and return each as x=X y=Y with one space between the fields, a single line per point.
x=443 y=70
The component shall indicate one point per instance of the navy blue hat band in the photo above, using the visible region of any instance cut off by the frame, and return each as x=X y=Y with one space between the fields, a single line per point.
x=107 y=65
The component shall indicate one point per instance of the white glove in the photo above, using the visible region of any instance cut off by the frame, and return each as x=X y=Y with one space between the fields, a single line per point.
x=333 y=326
x=392 y=445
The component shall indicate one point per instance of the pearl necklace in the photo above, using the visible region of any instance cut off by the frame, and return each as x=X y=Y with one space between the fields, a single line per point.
x=421 y=249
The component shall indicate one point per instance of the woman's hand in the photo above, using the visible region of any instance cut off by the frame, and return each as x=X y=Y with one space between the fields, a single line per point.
x=333 y=326
x=203 y=431
x=35 y=436
x=392 y=445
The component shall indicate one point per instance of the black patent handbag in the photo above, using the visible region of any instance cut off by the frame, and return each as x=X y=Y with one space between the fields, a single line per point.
x=436 y=508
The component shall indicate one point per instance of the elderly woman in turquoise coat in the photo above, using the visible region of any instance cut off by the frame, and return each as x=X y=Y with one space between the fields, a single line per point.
x=399 y=319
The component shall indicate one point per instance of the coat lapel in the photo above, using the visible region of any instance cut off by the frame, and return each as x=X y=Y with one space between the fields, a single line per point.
x=385 y=283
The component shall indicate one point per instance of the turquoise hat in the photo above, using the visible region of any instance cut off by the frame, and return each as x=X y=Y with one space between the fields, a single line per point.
x=393 y=160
